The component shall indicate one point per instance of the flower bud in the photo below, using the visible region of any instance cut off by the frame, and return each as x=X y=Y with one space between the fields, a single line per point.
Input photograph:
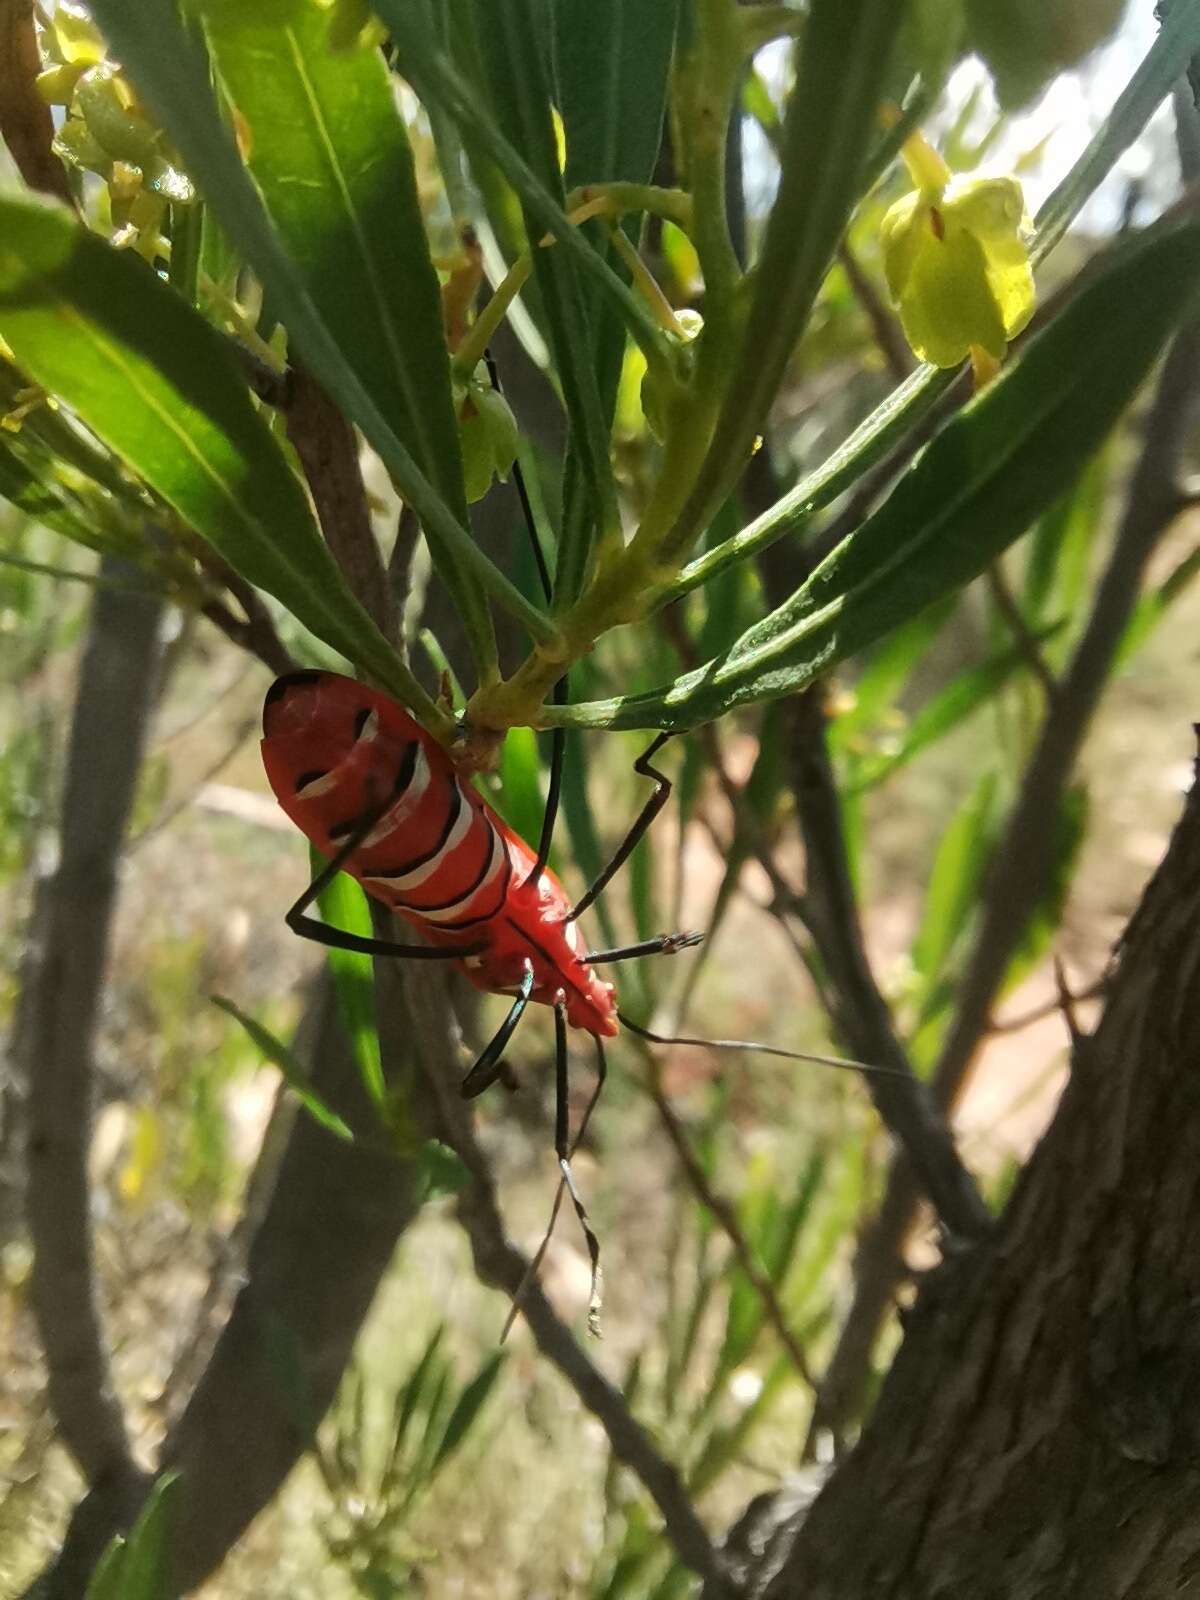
x=957 y=263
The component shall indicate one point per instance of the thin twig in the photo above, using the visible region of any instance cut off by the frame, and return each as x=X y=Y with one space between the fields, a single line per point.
x=1015 y=621
x=720 y=1208
x=254 y=631
x=893 y=346
x=108 y=733
x=1049 y=1008
x=328 y=451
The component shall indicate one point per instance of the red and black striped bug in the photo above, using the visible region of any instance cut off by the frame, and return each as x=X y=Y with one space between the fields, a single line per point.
x=381 y=798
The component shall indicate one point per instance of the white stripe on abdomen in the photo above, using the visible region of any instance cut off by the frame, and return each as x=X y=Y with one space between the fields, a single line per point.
x=403 y=808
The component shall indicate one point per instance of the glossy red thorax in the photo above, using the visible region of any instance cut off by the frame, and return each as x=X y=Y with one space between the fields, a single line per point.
x=439 y=856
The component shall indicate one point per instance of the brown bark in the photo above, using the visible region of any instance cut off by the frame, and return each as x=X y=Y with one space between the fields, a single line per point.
x=60 y=1011
x=1039 y=1433
x=26 y=125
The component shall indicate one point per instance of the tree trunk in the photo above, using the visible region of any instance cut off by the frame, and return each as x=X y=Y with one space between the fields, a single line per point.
x=1039 y=1433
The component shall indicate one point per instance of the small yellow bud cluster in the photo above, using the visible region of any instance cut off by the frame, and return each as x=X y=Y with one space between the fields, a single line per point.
x=106 y=131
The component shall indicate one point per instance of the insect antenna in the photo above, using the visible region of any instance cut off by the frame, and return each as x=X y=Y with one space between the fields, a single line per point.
x=840 y=1062
x=664 y=944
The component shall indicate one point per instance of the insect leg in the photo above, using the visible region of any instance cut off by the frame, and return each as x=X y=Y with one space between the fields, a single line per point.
x=531 y=1270
x=563 y=1149
x=489 y=1065
x=558 y=738
x=662 y=793
x=337 y=938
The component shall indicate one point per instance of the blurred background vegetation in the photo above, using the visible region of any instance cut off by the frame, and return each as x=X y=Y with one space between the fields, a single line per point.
x=449 y=1466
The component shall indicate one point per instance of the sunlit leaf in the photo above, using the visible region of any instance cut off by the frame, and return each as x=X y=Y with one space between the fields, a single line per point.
x=344 y=905
x=330 y=156
x=171 y=71
x=294 y=1073
x=954 y=882
x=97 y=328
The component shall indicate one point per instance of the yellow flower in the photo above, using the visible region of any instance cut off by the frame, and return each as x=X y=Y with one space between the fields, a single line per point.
x=957 y=263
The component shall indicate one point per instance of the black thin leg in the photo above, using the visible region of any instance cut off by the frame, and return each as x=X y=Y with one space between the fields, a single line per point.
x=667 y=944
x=563 y=1149
x=558 y=737
x=558 y=750
x=662 y=793
x=490 y=1064
x=337 y=938
x=531 y=1270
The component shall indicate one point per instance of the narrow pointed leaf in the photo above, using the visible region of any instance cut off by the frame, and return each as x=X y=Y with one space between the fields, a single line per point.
x=97 y=328
x=611 y=62
x=344 y=905
x=278 y=1054
x=467 y=1407
x=954 y=881
x=330 y=156
x=136 y=1566
x=520 y=91
x=975 y=489
x=966 y=694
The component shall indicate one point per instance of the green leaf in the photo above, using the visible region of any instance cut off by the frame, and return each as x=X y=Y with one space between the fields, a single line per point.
x=954 y=881
x=611 y=61
x=330 y=156
x=520 y=92
x=992 y=469
x=171 y=71
x=520 y=801
x=826 y=138
x=42 y=496
x=885 y=674
x=278 y=1054
x=412 y=1397
x=1057 y=570
x=1153 y=606
x=1070 y=830
x=467 y=1408
x=903 y=410
x=344 y=905
x=966 y=694
x=440 y=1170
x=137 y=1566
x=97 y=328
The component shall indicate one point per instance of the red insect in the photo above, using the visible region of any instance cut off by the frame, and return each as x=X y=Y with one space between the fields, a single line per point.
x=338 y=752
